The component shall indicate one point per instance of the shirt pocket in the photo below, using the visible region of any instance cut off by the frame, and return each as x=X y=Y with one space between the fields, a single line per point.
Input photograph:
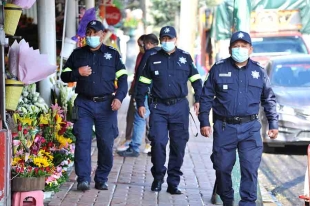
x=225 y=84
x=107 y=70
x=182 y=73
x=255 y=90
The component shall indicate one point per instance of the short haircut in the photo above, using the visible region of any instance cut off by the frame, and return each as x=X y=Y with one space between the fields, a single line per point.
x=151 y=38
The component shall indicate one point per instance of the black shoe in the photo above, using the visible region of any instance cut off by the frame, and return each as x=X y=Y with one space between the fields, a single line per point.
x=128 y=153
x=101 y=185
x=174 y=190
x=82 y=186
x=156 y=185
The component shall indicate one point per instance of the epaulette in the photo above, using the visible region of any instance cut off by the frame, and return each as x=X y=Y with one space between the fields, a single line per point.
x=111 y=47
x=220 y=61
x=184 y=52
x=257 y=63
x=153 y=53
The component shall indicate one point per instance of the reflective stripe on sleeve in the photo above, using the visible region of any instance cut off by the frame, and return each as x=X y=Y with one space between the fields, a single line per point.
x=194 y=77
x=145 y=80
x=120 y=73
x=67 y=70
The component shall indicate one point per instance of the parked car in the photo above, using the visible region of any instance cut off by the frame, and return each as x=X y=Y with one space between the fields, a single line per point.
x=290 y=81
x=267 y=45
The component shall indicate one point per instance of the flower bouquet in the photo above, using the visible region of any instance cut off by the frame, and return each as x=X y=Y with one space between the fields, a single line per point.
x=42 y=147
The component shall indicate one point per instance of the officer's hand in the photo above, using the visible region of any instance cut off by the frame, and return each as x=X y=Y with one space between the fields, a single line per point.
x=273 y=133
x=205 y=131
x=141 y=111
x=196 y=108
x=85 y=71
x=116 y=104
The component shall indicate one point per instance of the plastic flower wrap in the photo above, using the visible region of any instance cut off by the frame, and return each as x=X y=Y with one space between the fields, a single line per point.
x=25 y=4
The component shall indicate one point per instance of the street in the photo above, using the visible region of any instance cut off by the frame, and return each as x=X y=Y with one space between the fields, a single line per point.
x=282 y=173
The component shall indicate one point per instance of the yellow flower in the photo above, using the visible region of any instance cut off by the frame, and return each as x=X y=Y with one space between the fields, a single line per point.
x=40 y=162
x=64 y=142
x=58 y=122
x=25 y=120
x=44 y=119
x=45 y=154
x=15 y=161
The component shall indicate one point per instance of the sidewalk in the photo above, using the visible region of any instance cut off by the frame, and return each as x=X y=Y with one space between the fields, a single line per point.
x=130 y=179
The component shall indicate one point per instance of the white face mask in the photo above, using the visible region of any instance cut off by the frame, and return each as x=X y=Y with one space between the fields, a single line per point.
x=93 y=41
x=240 y=54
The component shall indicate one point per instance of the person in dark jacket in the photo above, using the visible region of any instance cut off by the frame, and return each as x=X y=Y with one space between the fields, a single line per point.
x=167 y=73
x=95 y=68
x=235 y=88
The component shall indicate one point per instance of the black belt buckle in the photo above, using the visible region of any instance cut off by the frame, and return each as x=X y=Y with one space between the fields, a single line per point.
x=98 y=99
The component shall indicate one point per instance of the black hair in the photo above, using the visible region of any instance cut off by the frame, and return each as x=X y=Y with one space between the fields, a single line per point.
x=151 y=38
x=141 y=38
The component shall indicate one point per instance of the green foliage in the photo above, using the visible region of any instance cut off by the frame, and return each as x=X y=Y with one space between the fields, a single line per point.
x=163 y=12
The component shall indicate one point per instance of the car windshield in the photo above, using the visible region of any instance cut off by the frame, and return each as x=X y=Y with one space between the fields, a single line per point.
x=291 y=75
x=287 y=45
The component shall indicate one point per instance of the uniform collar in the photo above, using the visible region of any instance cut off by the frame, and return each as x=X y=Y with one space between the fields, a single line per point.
x=102 y=48
x=172 y=54
x=235 y=66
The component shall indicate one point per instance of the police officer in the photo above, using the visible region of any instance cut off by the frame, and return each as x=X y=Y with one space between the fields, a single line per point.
x=168 y=71
x=95 y=67
x=235 y=88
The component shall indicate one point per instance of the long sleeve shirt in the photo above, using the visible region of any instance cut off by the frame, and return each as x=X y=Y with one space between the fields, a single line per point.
x=106 y=65
x=231 y=91
x=168 y=75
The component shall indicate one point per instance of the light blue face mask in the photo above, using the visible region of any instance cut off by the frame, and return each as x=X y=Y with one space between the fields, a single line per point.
x=240 y=54
x=168 y=46
x=93 y=41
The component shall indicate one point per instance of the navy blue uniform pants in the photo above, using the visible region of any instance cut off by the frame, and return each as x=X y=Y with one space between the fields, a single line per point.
x=172 y=120
x=246 y=138
x=101 y=115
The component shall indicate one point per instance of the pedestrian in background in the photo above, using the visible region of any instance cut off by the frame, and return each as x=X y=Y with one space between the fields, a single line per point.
x=132 y=106
x=95 y=67
x=235 y=88
x=167 y=72
x=150 y=43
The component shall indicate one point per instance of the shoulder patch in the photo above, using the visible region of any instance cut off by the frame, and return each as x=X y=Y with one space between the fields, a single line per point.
x=220 y=62
x=153 y=53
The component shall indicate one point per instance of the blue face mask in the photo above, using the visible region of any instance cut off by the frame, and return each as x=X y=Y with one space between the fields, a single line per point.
x=168 y=46
x=240 y=54
x=93 y=41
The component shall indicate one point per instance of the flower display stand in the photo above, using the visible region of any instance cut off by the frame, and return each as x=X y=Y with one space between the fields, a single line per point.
x=30 y=188
x=26 y=184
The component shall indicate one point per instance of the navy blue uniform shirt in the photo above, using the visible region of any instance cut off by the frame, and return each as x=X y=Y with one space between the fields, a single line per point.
x=106 y=65
x=231 y=91
x=168 y=75
x=142 y=64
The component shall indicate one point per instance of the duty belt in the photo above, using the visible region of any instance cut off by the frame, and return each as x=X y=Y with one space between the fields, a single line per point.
x=236 y=120
x=170 y=101
x=98 y=99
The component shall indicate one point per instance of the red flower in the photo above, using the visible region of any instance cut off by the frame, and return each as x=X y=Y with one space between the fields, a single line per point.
x=47 y=169
x=19 y=127
x=50 y=144
x=36 y=170
x=25 y=131
x=14 y=134
x=62 y=131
